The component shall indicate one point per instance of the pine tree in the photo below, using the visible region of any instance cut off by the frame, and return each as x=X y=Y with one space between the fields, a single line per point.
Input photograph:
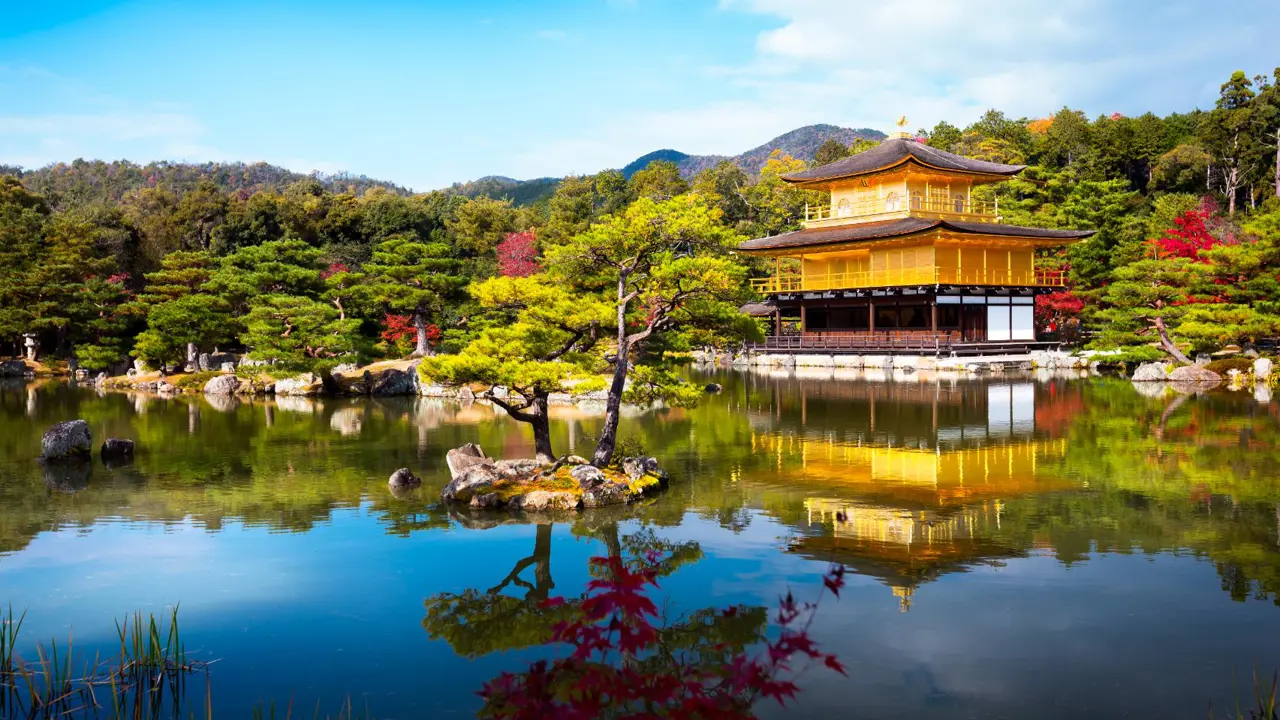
x=413 y=278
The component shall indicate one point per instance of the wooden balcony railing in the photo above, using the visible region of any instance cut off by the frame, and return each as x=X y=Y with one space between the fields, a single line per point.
x=817 y=282
x=970 y=210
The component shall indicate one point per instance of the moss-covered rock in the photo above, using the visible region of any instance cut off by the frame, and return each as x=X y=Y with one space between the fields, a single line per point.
x=567 y=484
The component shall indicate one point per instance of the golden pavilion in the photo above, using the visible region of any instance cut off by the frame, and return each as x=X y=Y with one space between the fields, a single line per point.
x=903 y=258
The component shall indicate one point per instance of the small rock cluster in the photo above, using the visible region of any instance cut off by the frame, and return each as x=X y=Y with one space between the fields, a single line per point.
x=65 y=453
x=567 y=484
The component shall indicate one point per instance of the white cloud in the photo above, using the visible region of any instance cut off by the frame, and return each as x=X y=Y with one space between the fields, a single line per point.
x=863 y=64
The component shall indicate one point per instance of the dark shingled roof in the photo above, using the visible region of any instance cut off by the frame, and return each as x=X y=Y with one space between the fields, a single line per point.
x=895 y=150
x=901 y=228
x=758 y=309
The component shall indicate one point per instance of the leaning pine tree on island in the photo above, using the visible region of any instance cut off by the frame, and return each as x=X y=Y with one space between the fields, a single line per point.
x=537 y=339
x=612 y=302
x=666 y=272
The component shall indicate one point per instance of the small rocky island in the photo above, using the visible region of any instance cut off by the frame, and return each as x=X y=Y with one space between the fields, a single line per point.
x=566 y=484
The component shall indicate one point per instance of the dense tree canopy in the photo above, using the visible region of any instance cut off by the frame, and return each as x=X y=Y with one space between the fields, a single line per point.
x=104 y=261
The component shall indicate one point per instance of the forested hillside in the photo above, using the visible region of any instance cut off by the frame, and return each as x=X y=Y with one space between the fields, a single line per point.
x=142 y=261
x=84 y=182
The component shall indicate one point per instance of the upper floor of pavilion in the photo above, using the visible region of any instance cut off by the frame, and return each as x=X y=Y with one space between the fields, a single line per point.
x=901 y=178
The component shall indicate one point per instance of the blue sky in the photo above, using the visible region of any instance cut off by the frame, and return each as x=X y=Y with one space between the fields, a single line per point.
x=428 y=93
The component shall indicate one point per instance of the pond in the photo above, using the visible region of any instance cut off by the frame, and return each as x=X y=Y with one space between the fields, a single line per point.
x=1044 y=547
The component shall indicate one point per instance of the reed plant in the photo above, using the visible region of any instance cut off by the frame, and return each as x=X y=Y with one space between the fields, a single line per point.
x=146 y=679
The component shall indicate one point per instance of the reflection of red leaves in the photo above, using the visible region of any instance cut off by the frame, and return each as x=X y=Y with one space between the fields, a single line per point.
x=612 y=630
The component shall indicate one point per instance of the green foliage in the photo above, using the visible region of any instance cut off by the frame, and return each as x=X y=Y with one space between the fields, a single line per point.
x=298 y=333
x=1223 y=366
x=200 y=320
x=659 y=180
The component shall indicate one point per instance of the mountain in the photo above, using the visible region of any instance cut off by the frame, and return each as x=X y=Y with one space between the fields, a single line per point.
x=643 y=161
x=800 y=143
x=519 y=192
x=88 y=181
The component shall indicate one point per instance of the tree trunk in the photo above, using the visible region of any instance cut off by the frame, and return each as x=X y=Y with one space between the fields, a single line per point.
x=1278 y=163
x=1167 y=344
x=420 y=327
x=541 y=428
x=609 y=433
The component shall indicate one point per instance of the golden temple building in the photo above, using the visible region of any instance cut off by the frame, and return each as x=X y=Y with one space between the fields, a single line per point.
x=904 y=258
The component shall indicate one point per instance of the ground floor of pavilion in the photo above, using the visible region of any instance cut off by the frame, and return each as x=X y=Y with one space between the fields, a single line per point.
x=941 y=319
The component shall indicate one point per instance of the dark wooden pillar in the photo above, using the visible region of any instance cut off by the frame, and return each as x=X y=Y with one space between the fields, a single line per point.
x=804 y=321
x=933 y=312
x=777 y=321
x=871 y=316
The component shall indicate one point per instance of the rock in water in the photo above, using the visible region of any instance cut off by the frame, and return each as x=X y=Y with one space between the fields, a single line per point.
x=714 y=387
x=13 y=368
x=67 y=440
x=460 y=459
x=1151 y=372
x=302 y=385
x=222 y=385
x=404 y=478
x=1262 y=369
x=117 y=449
x=1194 y=374
x=393 y=382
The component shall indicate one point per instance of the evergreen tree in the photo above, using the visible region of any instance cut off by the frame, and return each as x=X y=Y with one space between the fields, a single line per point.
x=298 y=333
x=416 y=279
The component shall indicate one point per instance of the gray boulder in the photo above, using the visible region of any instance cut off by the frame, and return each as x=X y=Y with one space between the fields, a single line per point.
x=588 y=475
x=67 y=440
x=1152 y=372
x=404 y=478
x=393 y=382
x=303 y=385
x=222 y=385
x=714 y=387
x=545 y=500
x=13 y=368
x=466 y=393
x=116 y=449
x=460 y=459
x=475 y=480
x=1194 y=374
x=1262 y=369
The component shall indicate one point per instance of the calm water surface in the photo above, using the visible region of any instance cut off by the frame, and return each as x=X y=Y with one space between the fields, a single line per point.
x=1050 y=548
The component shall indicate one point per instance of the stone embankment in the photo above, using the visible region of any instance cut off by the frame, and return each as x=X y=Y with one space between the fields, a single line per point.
x=1154 y=378
x=1053 y=360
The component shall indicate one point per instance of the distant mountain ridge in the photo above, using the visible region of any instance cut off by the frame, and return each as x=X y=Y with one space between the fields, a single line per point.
x=86 y=181
x=799 y=143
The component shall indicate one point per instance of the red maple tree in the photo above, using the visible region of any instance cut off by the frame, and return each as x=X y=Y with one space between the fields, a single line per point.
x=518 y=255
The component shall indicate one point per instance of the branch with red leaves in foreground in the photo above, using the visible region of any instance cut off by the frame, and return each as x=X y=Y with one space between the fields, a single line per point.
x=618 y=666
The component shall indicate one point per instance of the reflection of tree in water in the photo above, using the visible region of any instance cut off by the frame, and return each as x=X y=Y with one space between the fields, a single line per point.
x=476 y=623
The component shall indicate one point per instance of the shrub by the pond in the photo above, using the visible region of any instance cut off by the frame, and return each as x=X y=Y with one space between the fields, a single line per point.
x=1226 y=365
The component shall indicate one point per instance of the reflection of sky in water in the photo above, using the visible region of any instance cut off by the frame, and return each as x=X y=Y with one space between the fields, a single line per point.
x=999 y=625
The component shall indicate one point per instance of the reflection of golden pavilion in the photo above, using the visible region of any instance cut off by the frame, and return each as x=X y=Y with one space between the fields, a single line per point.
x=907 y=487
